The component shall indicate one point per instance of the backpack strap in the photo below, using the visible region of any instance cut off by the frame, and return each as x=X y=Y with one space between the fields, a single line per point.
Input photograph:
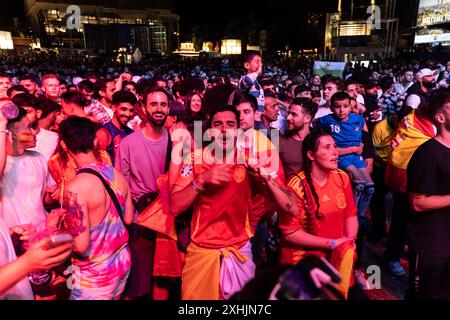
x=168 y=153
x=108 y=188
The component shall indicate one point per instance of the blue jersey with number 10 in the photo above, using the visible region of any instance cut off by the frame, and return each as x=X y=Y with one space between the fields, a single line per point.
x=345 y=133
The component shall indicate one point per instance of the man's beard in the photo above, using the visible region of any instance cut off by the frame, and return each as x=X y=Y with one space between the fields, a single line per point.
x=157 y=122
x=295 y=129
x=429 y=85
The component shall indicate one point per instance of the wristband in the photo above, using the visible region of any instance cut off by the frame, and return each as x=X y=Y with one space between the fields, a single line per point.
x=196 y=187
x=333 y=242
x=5 y=131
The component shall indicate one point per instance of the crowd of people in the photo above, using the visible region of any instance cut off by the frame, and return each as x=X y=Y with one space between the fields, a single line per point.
x=182 y=181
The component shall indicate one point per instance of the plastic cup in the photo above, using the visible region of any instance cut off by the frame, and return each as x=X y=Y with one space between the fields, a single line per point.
x=9 y=110
x=40 y=277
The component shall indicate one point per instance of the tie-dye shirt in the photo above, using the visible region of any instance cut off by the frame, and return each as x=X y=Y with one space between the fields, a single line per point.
x=101 y=272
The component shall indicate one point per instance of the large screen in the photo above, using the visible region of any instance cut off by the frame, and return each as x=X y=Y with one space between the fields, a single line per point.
x=433 y=12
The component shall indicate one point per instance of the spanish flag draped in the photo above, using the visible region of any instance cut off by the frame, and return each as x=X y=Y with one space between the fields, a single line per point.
x=168 y=259
x=413 y=131
x=343 y=258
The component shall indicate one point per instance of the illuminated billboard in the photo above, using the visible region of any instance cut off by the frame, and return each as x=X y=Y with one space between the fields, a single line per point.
x=433 y=12
x=432 y=36
x=6 y=41
x=231 y=46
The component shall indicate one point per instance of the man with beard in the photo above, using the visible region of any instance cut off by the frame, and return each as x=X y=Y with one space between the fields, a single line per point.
x=301 y=112
x=219 y=258
x=101 y=108
x=141 y=158
x=419 y=93
x=87 y=89
x=123 y=104
x=429 y=195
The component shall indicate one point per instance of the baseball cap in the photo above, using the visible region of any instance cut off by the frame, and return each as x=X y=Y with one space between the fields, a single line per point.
x=425 y=72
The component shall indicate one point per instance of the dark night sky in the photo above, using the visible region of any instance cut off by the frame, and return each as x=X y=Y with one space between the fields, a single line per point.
x=212 y=20
x=285 y=20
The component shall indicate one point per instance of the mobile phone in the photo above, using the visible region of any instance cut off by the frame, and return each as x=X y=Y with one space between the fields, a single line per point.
x=60 y=238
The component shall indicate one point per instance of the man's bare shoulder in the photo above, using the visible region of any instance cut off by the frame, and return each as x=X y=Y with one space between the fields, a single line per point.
x=84 y=182
x=89 y=185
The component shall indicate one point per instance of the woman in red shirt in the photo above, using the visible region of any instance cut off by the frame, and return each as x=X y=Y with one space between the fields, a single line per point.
x=327 y=217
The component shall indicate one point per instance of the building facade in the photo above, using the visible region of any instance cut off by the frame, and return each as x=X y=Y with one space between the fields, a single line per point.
x=105 y=26
x=362 y=30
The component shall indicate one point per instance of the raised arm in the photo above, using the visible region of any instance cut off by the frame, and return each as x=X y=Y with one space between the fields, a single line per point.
x=284 y=198
x=183 y=197
x=270 y=185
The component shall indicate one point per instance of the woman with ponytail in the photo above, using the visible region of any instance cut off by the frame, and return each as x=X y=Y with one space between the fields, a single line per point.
x=327 y=223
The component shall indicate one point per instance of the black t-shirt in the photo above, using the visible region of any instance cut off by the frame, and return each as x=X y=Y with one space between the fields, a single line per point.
x=429 y=174
x=368 y=149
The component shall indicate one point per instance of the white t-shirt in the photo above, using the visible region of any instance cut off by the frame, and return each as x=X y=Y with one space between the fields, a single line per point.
x=322 y=111
x=46 y=143
x=23 y=186
x=109 y=111
x=360 y=99
x=399 y=88
x=22 y=289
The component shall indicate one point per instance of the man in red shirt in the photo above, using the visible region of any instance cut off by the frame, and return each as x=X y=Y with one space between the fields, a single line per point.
x=219 y=188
